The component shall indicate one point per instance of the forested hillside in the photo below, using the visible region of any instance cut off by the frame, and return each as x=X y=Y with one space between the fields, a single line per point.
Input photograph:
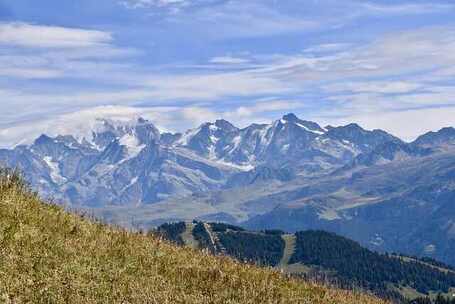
x=326 y=257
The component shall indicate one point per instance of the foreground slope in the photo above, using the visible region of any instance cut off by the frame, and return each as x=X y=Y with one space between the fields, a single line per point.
x=49 y=256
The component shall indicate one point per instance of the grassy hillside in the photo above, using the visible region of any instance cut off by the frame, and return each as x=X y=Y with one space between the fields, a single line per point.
x=50 y=256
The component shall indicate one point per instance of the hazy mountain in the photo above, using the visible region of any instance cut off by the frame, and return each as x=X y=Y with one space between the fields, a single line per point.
x=290 y=174
x=131 y=163
x=443 y=139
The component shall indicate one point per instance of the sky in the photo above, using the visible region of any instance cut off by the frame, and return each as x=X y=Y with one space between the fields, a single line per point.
x=382 y=64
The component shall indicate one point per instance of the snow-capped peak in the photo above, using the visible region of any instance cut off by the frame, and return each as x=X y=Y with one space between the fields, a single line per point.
x=210 y=131
x=306 y=125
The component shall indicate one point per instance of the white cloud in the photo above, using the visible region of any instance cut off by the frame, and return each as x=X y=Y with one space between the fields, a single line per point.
x=242 y=116
x=30 y=35
x=266 y=106
x=427 y=50
x=247 y=19
x=355 y=79
x=220 y=19
x=79 y=123
x=406 y=8
x=171 y=7
x=30 y=73
x=327 y=47
x=214 y=86
x=134 y=4
x=47 y=52
x=380 y=87
x=228 y=60
x=198 y=115
x=32 y=51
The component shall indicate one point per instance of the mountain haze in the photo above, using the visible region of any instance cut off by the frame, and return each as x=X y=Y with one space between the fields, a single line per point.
x=291 y=174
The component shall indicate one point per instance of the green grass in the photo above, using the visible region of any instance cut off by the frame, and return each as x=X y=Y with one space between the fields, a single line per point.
x=48 y=255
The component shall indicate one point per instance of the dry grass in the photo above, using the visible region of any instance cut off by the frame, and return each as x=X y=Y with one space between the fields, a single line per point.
x=50 y=256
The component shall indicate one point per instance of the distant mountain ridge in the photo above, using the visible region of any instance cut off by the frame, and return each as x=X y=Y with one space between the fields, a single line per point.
x=125 y=163
x=290 y=174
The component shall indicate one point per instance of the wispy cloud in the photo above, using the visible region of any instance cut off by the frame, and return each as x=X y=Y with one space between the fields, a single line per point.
x=228 y=60
x=379 y=87
x=378 y=77
x=222 y=19
x=167 y=118
x=406 y=8
x=79 y=123
x=39 y=52
x=30 y=35
x=168 y=7
x=214 y=58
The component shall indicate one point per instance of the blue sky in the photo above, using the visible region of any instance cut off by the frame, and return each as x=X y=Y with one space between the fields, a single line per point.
x=383 y=64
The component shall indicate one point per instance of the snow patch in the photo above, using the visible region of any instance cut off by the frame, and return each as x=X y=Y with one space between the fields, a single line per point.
x=329 y=215
x=213 y=128
x=235 y=143
x=242 y=167
x=308 y=129
x=377 y=240
x=263 y=135
x=186 y=138
x=55 y=173
x=132 y=145
x=212 y=153
x=214 y=139
x=132 y=182
x=322 y=140
x=429 y=249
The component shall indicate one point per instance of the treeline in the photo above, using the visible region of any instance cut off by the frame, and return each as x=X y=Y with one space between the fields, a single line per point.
x=332 y=259
x=365 y=268
x=172 y=232
x=258 y=248
x=222 y=227
x=440 y=299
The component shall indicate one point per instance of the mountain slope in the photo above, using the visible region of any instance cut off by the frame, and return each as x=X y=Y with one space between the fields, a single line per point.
x=290 y=174
x=323 y=256
x=442 y=139
x=49 y=255
x=404 y=206
x=130 y=163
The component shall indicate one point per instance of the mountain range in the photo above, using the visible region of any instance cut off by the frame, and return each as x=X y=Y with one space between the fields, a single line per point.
x=291 y=174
